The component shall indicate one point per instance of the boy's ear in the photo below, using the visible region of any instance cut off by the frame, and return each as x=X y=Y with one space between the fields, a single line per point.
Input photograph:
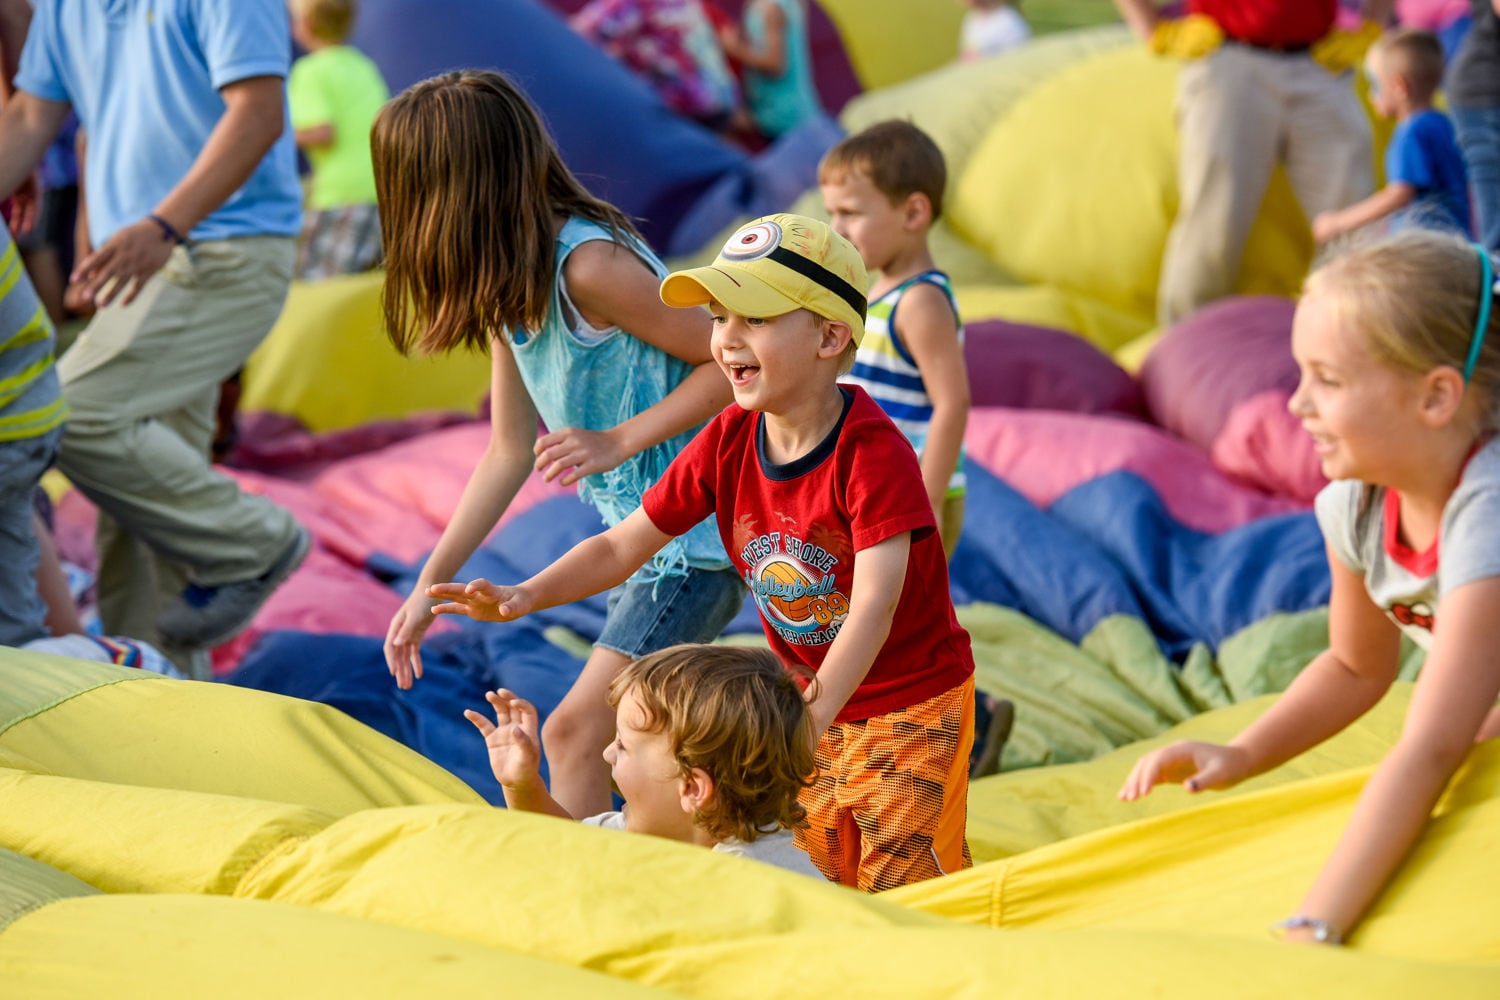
x=917 y=211
x=835 y=336
x=697 y=790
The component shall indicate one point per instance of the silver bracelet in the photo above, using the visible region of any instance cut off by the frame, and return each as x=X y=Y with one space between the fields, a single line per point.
x=1323 y=931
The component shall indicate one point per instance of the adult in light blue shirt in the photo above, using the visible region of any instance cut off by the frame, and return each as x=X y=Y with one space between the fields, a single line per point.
x=193 y=206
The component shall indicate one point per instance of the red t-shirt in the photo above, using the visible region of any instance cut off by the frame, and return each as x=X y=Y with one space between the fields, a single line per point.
x=1278 y=23
x=794 y=531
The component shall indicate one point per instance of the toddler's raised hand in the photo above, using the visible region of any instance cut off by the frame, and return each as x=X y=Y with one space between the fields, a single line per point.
x=1194 y=765
x=511 y=738
x=480 y=600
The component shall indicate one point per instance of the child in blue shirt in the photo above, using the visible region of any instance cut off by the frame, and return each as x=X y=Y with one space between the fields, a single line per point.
x=1425 y=180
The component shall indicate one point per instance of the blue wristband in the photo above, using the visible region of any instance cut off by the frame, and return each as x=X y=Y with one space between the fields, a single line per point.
x=168 y=231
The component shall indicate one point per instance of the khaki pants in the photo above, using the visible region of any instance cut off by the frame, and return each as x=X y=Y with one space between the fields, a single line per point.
x=142 y=381
x=1240 y=111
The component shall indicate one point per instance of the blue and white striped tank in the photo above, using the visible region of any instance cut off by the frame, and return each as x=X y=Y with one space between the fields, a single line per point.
x=886 y=370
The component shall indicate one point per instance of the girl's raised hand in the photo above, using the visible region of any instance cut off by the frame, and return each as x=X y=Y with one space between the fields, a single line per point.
x=511 y=738
x=573 y=453
x=480 y=600
x=1196 y=766
x=403 y=640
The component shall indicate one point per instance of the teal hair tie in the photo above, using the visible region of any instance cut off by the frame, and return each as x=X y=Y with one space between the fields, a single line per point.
x=1482 y=324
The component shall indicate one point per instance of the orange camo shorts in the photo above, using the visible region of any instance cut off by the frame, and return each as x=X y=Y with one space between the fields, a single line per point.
x=891 y=798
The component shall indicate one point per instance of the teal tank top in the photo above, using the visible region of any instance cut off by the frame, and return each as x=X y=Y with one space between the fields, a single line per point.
x=596 y=379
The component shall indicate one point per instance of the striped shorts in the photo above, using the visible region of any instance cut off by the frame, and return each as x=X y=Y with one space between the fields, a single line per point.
x=891 y=797
x=344 y=240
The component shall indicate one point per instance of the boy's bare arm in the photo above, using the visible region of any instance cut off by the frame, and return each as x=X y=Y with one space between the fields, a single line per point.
x=879 y=575
x=1393 y=196
x=930 y=330
x=595 y=564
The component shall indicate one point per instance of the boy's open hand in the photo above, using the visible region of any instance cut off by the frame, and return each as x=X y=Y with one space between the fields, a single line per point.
x=512 y=738
x=480 y=600
x=1196 y=766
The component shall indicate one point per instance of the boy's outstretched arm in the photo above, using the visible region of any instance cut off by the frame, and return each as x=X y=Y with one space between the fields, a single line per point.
x=593 y=565
x=879 y=575
x=515 y=752
x=1395 y=195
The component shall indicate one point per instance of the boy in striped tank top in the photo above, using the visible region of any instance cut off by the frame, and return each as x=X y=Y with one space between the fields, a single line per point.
x=883 y=189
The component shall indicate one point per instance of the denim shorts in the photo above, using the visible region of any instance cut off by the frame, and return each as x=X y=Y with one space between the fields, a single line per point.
x=22 y=613
x=644 y=616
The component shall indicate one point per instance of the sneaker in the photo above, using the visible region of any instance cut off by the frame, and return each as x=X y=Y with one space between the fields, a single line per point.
x=996 y=719
x=208 y=616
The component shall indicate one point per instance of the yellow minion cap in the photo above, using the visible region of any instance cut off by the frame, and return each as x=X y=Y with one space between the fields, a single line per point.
x=776 y=264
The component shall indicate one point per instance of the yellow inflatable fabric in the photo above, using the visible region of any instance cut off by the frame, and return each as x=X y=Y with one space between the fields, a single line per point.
x=1062 y=183
x=328 y=362
x=190 y=890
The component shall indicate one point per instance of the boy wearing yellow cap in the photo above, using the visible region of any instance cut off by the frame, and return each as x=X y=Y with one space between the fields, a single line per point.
x=820 y=503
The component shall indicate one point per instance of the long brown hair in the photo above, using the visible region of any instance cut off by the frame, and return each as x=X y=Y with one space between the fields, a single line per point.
x=470 y=186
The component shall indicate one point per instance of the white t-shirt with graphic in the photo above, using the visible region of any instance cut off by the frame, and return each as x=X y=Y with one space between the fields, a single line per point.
x=1359 y=522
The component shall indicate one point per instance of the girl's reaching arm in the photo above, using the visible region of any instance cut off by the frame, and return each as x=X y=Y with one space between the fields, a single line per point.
x=1337 y=687
x=1456 y=690
x=611 y=286
x=492 y=485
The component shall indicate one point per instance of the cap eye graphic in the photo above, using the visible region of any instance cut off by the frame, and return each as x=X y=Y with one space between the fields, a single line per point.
x=753 y=242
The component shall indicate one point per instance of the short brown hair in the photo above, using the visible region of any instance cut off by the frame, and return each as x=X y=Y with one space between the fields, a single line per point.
x=1415 y=297
x=469 y=184
x=738 y=714
x=899 y=158
x=1415 y=55
x=329 y=20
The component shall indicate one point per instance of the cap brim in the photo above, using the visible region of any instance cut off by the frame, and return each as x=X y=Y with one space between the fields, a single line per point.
x=738 y=291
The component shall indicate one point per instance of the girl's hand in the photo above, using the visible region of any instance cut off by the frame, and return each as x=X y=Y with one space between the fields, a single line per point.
x=1196 y=766
x=403 y=640
x=480 y=600
x=511 y=738
x=573 y=453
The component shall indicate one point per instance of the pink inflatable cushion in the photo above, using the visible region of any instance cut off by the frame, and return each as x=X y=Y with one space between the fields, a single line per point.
x=1265 y=446
x=1222 y=355
x=1035 y=367
x=1045 y=454
x=398 y=500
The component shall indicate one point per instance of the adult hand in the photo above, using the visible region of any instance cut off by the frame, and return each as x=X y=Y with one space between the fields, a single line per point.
x=403 y=640
x=573 y=453
x=1194 y=765
x=1191 y=37
x=480 y=600
x=512 y=738
x=123 y=264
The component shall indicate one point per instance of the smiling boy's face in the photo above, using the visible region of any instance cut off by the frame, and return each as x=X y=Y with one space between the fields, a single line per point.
x=771 y=363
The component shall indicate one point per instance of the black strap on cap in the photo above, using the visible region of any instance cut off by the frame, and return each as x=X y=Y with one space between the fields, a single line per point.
x=820 y=274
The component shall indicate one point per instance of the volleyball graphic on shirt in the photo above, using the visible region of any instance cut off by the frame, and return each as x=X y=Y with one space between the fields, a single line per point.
x=797 y=600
